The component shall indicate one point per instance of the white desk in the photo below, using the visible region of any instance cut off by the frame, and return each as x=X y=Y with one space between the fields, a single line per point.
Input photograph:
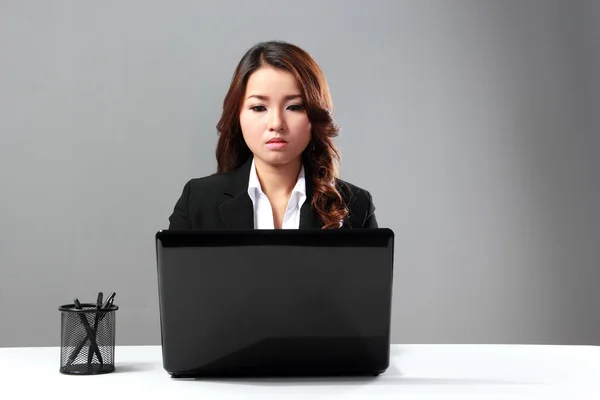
x=416 y=372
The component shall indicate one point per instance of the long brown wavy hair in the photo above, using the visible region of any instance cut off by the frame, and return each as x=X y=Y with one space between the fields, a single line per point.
x=321 y=158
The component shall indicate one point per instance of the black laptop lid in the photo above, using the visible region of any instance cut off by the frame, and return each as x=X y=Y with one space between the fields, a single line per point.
x=275 y=301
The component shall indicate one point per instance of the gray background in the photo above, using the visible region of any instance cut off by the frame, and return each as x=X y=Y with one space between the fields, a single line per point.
x=473 y=123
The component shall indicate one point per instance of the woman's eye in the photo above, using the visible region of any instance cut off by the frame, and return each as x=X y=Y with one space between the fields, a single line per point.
x=295 y=107
x=258 y=108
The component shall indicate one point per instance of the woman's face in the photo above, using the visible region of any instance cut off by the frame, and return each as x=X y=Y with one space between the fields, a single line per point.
x=274 y=122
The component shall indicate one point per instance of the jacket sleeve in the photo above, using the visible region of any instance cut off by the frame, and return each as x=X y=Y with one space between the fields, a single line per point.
x=180 y=220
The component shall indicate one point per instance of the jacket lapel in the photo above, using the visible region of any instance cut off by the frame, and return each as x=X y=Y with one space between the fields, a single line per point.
x=237 y=212
x=308 y=216
x=236 y=209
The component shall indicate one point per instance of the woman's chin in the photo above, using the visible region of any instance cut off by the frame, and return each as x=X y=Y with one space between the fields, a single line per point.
x=279 y=158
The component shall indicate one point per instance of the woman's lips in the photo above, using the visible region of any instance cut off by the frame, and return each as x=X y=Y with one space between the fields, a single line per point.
x=276 y=144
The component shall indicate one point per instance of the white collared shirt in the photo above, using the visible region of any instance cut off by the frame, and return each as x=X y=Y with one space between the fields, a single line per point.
x=263 y=212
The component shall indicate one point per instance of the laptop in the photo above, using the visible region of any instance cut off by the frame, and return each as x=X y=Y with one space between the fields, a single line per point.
x=275 y=303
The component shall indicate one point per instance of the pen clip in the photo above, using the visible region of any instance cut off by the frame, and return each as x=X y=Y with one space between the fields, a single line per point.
x=109 y=300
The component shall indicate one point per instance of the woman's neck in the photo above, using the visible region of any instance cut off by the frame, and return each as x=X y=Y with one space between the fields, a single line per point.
x=278 y=180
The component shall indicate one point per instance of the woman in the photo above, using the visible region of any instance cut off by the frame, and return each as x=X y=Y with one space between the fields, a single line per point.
x=277 y=164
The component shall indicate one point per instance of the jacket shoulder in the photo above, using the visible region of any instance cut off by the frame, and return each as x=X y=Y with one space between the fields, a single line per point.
x=208 y=187
x=217 y=181
x=360 y=204
x=353 y=194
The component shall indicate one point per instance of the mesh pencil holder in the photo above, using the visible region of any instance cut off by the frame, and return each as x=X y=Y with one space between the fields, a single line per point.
x=87 y=340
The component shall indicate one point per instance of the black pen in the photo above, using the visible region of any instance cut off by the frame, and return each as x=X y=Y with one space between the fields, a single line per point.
x=77 y=350
x=100 y=306
x=109 y=300
x=88 y=330
x=95 y=328
x=99 y=300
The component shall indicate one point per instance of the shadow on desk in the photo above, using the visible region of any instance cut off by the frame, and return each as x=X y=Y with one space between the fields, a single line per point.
x=354 y=381
x=137 y=367
x=393 y=376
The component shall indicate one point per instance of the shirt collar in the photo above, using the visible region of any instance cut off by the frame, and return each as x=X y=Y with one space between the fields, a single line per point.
x=254 y=188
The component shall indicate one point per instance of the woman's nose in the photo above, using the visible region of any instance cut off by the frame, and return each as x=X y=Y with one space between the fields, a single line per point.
x=276 y=122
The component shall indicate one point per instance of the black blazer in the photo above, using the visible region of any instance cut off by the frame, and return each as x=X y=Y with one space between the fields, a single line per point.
x=221 y=201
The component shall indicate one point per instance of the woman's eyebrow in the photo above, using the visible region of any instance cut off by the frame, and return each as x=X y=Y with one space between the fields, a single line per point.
x=265 y=98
